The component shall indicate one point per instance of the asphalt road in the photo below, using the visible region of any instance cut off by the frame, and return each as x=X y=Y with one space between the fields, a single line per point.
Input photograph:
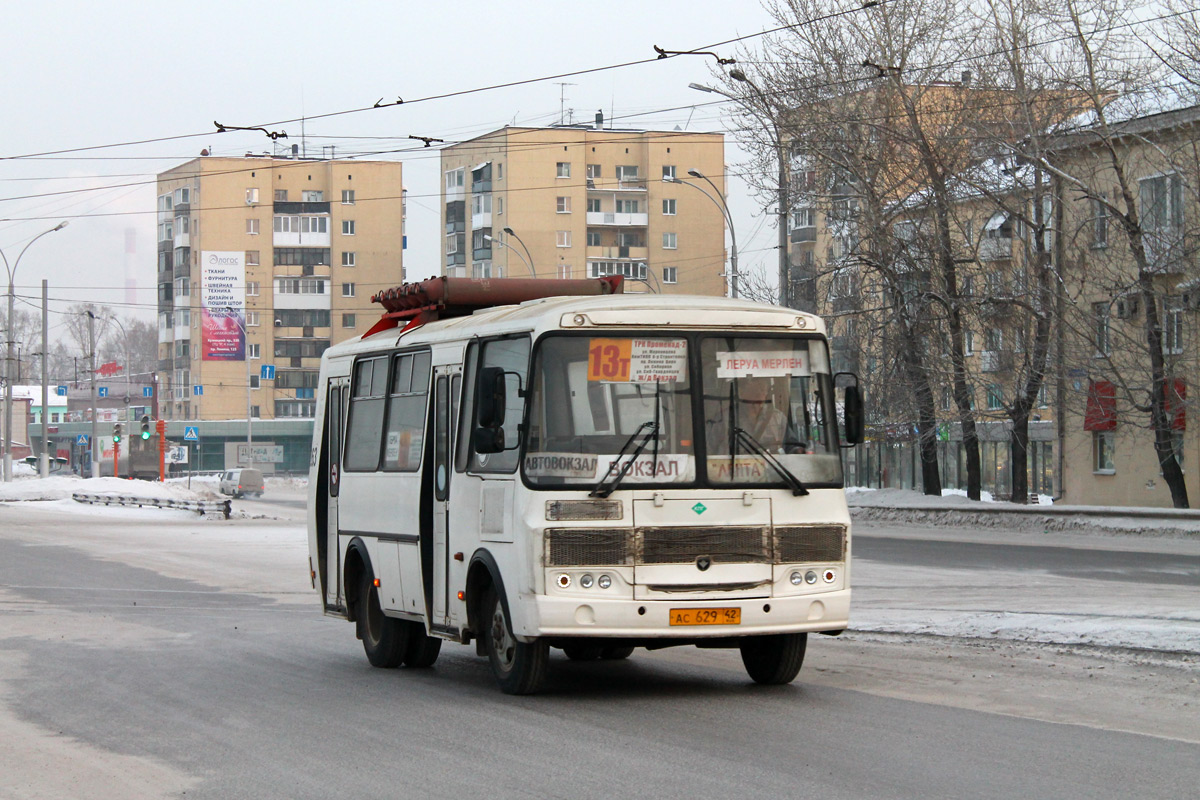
x=217 y=693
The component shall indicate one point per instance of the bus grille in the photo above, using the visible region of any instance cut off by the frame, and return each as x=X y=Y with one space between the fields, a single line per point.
x=580 y=547
x=810 y=543
x=723 y=545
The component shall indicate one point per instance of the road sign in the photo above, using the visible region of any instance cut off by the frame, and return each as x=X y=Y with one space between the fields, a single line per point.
x=81 y=440
x=61 y=391
x=102 y=391
x=267 y=372
x=198 y=390
x=147 y=391
x=191 y=433
x=176 y=455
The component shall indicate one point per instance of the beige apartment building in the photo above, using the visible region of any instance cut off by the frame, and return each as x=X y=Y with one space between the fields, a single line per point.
x=588 y=202
x=267 y=260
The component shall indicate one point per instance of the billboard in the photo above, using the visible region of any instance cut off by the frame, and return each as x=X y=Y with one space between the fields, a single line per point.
x=223 y=305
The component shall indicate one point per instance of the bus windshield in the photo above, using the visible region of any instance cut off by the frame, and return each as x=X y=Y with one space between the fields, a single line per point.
x=620 y=409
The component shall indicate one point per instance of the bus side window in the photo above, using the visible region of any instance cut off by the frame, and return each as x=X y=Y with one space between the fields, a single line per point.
x=364 y=428
x=467 y=407
x=511 y=355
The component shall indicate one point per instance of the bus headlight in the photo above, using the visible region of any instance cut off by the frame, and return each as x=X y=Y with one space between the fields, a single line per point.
x=810 y=576
x=586 y=581
x=604 y=582
x=797 y=579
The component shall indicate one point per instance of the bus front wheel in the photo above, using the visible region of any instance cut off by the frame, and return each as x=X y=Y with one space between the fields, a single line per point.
x=774 y=660
x=384 y=639
x=519 y=667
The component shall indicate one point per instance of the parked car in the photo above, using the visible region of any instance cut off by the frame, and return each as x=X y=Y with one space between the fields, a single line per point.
x=242 y=482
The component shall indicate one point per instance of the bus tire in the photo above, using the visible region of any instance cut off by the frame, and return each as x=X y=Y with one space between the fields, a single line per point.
x=422 y=649
x=615 y=653
x=384 y=639
x=519 y=667
x=774 y=660
x=583 y=652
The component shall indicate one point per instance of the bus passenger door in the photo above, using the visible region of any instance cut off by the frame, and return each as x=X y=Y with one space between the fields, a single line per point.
x=335 y=419
x=443 y=410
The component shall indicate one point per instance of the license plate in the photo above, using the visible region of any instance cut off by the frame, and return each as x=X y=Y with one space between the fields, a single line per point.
x=706 y=616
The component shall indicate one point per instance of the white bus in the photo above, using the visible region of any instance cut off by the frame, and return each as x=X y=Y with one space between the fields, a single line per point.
x=594 y=473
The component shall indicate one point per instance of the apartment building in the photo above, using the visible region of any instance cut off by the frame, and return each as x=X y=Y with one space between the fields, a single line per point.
x=267 y=260
x=577 y=201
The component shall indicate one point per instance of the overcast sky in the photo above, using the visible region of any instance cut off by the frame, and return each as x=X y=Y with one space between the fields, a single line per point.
x=85 y=75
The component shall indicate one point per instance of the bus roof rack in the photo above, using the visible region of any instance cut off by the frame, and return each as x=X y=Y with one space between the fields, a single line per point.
x=444 y=297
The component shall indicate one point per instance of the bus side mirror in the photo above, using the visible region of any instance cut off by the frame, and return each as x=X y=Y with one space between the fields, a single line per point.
x=491 y=393
x=852 y=410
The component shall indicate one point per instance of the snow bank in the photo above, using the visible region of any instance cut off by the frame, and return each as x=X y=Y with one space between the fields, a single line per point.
x=63 y=486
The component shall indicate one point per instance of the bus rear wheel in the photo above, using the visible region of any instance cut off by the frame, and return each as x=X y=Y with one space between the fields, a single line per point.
x=384 y=639
x=583 y=652
x=774 y=660
x=519 y=667
x=615 y=653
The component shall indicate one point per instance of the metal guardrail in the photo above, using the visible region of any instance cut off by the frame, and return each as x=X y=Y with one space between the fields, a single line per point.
x=222 y=507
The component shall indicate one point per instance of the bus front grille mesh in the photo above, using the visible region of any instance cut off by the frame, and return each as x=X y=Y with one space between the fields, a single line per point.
x=683 y=545
x=805 y=543
x=586 y=547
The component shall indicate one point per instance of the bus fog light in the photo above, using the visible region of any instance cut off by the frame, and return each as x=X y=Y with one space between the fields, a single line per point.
x=810 y=576
x=564 y=581
x=797 y=579
x=830 y=576
x=604 y=582
x=586 y=581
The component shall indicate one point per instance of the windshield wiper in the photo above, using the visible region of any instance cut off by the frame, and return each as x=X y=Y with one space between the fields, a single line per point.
x=603 y=488
x=755 y=446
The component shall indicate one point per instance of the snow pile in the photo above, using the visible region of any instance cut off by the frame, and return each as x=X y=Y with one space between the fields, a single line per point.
x=63 y=486
x=286 y=484
x=903 y=498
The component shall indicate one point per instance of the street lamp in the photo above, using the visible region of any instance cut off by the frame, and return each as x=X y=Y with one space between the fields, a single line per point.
x=772 y=121
x=8 y=384
x=724 y=206
x=529 y=262
x=502 y=243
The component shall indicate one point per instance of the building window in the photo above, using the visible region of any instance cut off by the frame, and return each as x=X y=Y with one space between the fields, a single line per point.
x=668 y=172
x=252 y=227
x=300 y=285
x=252 y=195
x=348 y=258
x=627 y=206
x=499 y=205
x=251 y=319
x=564 y=271
x=251 y=288
x=670 y=241
x=348 y=321
x=281 y=195
x=455 y=178
x=627 y=172
x=670 y=274
x=254 y=412
x=669 y=207
x=593 y=170
x=564 y=169
x=1102 y=452
x=1099 y=223
x=347 y=290
x=347 y=227
x=251 y=258
x=968 y=342
x=993 y=339
x=995 y=400
x=499 y=172
x=563 y=205
x=593 y=205
x=594 y=238
x=347 y=197
x=1161 y=203
x=1100 y=330
x=255 y=381
x=312 y=196
x=254 y=350
x=564 y=239
x=1172 y=325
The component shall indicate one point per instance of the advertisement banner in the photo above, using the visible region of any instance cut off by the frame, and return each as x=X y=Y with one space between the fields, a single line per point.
x=223 y=305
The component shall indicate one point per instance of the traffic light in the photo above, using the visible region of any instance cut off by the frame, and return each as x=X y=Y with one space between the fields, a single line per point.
x=117 y=433
x=145 y=426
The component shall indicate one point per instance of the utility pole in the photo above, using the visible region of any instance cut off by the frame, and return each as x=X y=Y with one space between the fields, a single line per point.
x=95 y=411
x=44 y=461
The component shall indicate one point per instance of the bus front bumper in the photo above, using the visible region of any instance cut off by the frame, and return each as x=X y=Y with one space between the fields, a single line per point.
x=641 y=619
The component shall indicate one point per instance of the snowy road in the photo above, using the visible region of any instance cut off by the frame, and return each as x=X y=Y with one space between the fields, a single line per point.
x=149 y=653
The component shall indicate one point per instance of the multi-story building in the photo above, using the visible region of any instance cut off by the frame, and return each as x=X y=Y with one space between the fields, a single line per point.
x=267 y=261
x=577 y=201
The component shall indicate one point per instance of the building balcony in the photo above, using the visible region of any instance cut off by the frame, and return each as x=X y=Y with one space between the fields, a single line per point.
x=183 y=239
x=166 y=335
x=481 y=220
x=182 y=332
x=183 y=300
x=806 y=233
x=612 y=219
x=995 y=361
x=619 y=252
x=283 y=207
x=297 y=239
x=996 y=249
x=611 y=185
